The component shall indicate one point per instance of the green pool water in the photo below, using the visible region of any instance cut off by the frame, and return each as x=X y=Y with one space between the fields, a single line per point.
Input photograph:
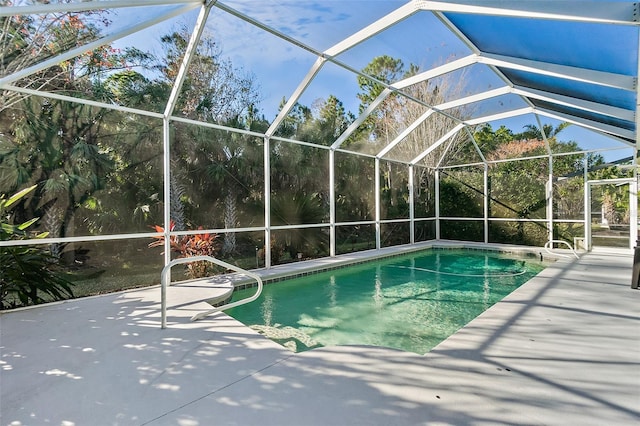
x=411 y=303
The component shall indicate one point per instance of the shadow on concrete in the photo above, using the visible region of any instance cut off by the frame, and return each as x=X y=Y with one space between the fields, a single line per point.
x=562 y=349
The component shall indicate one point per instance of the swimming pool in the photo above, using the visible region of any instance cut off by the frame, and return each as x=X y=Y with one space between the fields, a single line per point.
x=410 y=302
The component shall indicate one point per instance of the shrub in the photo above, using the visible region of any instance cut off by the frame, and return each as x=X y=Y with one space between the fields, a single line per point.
x=203 y=244
x=28 y=275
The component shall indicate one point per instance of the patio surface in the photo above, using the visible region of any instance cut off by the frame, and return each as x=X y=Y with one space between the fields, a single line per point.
x=563 y=349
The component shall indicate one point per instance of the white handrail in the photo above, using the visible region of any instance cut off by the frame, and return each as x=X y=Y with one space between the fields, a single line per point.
x=165 y=277
x=546 y=247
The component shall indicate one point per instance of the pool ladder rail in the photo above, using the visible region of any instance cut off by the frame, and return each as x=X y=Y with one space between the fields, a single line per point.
x=548 y=250
x=164 y=283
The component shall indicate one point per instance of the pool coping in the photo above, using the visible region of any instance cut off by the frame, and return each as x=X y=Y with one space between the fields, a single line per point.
x=303 y=268
x=279 y=273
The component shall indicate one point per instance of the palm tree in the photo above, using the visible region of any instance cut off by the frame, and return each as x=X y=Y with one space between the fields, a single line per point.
x=294 y=209
x=534 y=132
x=57 y=146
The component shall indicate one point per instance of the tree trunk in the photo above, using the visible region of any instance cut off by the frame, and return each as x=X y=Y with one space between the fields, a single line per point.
x=230 y=221
x=176 y=207
x=52 y=222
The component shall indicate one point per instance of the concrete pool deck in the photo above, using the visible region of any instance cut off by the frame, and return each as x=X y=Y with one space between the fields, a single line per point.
x=562 y=349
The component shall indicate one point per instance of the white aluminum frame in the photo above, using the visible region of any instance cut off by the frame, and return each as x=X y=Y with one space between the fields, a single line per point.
x=609 y=13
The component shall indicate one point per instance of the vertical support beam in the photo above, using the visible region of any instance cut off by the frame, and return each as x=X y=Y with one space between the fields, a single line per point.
x=633 y=210
x=412 y=217
x=377 y=199
x=267 y=202
x=633 y=229
x=550 y=200
x=587 y=204
x=332 y=203
x=634 y=241
x=166 y=171
x=166 y=129
x=437 y=190
x=549 y=185
x=486 y=203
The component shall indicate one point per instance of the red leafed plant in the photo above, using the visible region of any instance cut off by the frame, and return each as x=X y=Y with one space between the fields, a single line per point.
x=203 y=244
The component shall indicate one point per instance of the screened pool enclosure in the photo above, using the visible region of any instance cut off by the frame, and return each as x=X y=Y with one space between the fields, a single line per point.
x=273 y=132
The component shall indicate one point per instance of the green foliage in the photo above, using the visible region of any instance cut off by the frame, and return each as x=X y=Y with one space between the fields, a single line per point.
x=322 y=124
x=66 y=157
x=534 y=132
x=28 y=275
x=8 y=230
x=384 y=69
x=461 y=193
x=355 y=238
x=355 y=197
x=488 y=139
x=72 y=151
x=394 y=193
x=517 y=188
x=294 y=209
x=393 y=234
x=467 y=230
x=424 y=192
x=521 y=233
x=567 y=231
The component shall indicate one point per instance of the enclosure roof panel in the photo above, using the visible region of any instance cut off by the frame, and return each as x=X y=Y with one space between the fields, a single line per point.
x=572 y=59
x=602 y=47
x=577 y=59
x=565 y=59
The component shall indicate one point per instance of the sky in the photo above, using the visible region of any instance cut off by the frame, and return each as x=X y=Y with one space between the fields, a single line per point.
x=278 y=66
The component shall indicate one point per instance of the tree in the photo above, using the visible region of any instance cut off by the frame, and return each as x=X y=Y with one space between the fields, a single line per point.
x=299 y=196
x=68 y=161
x=27 y=40
x=517 y=188
x=396 y=113
x=295 y=121
x=488 y=139
x=103 y=165
x=382 y=123
x=213 y=91
x=384 y=69
x=69 y=149
x=330 y=120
